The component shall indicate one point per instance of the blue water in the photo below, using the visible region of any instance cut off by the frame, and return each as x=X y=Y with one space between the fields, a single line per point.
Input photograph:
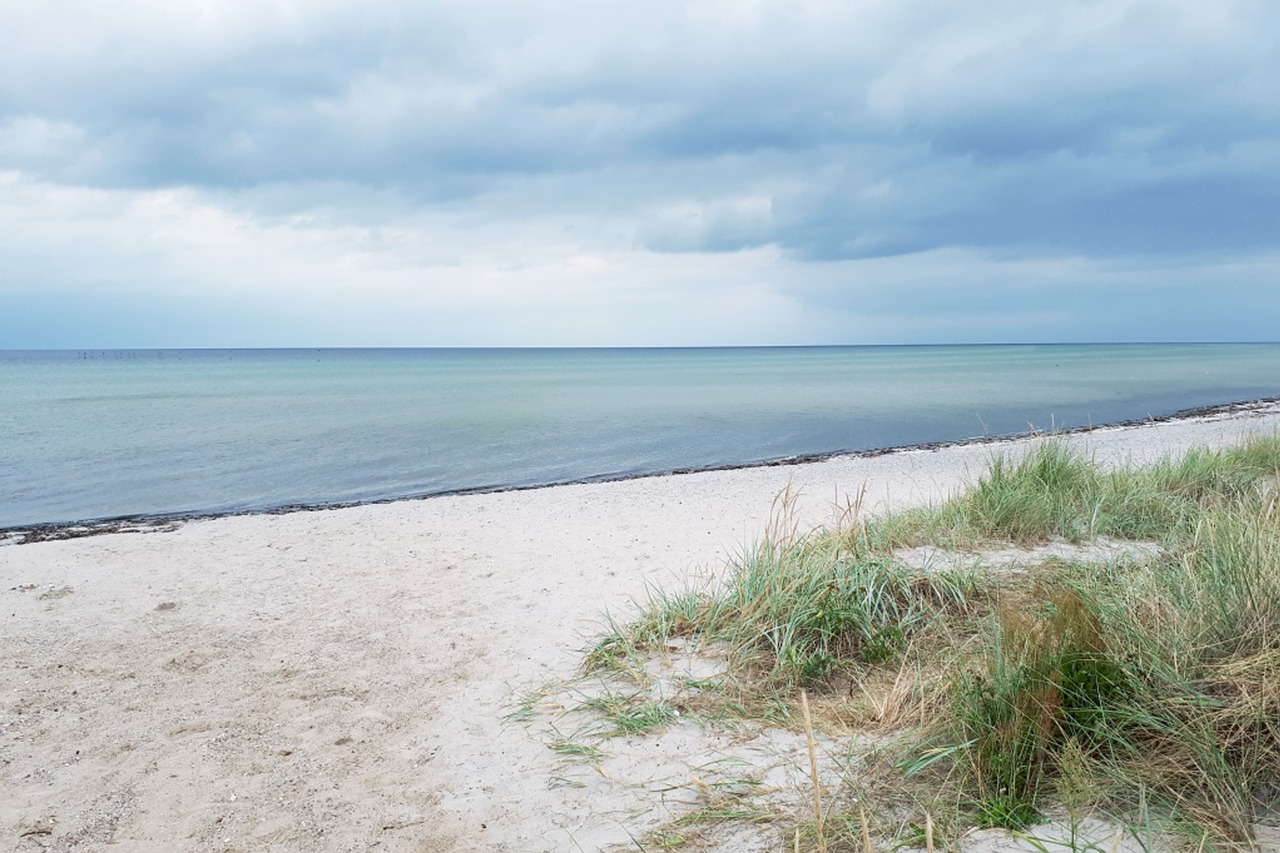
x=92 y=435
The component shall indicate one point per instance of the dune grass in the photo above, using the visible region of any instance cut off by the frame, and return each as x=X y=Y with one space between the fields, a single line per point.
x=1141 y=689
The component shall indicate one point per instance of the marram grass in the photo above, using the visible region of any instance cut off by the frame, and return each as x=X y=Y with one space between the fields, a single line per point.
x=1145 y=690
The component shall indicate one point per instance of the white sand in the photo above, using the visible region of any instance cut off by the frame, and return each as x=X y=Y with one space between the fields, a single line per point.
x=337 y=680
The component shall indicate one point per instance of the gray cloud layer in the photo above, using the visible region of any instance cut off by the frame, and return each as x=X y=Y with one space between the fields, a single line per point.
x=812 y=159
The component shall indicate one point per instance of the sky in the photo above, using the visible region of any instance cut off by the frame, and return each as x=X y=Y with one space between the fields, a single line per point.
x=582 y=173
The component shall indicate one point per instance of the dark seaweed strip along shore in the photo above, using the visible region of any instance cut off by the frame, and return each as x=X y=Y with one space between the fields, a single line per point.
x=164 y=522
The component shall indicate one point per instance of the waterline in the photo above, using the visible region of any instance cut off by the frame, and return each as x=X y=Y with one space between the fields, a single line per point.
x=145 y=433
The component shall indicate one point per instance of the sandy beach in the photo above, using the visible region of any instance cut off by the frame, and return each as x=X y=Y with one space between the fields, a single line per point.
x=351 y=679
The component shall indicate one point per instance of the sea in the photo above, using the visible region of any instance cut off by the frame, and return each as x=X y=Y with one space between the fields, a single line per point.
x=92 y=435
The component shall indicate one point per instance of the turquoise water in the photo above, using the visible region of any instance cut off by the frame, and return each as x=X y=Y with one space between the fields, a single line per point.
x=92 y=435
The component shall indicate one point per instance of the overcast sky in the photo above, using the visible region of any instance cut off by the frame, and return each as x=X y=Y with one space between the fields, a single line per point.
x=469 y=172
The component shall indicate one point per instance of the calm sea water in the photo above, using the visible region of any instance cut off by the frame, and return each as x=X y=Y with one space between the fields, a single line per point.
x=93 y=435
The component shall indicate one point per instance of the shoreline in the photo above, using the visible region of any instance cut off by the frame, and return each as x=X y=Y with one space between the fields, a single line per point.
x=156 y=522
x=399 y=676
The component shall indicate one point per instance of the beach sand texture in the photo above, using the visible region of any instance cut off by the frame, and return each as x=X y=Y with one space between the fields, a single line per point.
x=343 y=680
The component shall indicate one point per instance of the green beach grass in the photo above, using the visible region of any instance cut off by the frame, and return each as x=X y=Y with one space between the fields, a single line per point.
x=1141 y=688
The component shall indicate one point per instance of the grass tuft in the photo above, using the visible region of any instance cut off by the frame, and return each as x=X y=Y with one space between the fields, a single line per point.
x=1141 y=689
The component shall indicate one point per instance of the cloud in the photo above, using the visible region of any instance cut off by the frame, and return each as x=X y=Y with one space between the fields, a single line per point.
x=662 y=172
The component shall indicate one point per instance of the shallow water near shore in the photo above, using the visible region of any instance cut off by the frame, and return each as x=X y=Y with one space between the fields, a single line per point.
x=123 y=433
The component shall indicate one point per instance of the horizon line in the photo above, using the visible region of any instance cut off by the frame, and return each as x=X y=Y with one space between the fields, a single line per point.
x=637 y=347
